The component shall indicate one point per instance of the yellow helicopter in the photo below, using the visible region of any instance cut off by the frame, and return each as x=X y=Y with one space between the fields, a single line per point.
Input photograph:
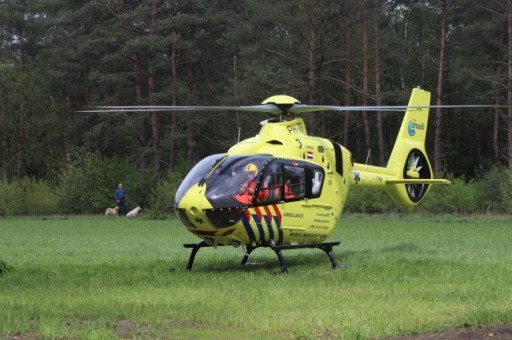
x=284 y=189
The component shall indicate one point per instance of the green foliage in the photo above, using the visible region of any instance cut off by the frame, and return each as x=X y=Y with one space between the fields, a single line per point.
x=162 y=196
x=490 y=194
x=11 y=198
x=26 y=197
x=88 y=181
x=460 y=197
x=490 y=190
x=369 y=202
x=506 y=193
x=40 y=198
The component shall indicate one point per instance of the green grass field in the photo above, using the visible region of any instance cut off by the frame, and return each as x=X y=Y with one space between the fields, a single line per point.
x=98 y=277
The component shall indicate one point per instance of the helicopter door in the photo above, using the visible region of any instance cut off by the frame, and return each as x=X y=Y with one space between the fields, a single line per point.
x=270 y=188
x=294 y=183
x=283 y=180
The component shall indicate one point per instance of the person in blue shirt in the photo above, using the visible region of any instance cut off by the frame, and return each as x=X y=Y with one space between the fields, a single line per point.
x=120 y=197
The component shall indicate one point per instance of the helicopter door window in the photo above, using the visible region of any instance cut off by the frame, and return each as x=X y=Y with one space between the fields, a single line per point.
x=316 y=182
x=294 y=187
x=269 y=190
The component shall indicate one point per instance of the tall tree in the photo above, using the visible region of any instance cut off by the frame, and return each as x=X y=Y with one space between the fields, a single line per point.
x=378 y=100
x=509 y=88
x=439 y=92
x=365 y=80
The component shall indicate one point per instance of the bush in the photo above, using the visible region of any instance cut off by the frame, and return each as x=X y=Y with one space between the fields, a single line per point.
x=26 y=197
x=88 y=181
x=369 y=201
x=162 y=197
x=505 y=189
x=460 y=197
x=11 y=194
x=490 y=190
x=40 y=199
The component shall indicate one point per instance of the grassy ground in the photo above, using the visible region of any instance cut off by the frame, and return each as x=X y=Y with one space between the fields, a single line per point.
x=98 y=277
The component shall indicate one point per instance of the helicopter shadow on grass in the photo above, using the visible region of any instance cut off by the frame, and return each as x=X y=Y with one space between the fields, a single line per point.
x=267 y=260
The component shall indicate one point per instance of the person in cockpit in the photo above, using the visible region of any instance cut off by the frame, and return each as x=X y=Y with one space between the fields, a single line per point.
x=246 y=192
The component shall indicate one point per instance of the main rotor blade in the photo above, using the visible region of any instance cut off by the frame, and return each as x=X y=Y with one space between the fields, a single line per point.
x=268 y=108
x=275 y=109
x=302 y=108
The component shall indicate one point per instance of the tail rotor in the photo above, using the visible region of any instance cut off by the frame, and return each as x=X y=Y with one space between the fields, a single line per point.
x=417 y=167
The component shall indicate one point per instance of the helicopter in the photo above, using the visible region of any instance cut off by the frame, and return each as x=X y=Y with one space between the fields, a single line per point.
x=284 y=189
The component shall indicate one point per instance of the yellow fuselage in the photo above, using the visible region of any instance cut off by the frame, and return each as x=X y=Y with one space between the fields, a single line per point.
x=282 y=221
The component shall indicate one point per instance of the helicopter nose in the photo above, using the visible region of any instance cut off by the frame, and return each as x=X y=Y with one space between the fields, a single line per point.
x=191 y=207
x=196 y=211
x=223 y=218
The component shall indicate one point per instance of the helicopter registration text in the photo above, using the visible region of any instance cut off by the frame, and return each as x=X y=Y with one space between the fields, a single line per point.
x=295 y=129
x=296 y=215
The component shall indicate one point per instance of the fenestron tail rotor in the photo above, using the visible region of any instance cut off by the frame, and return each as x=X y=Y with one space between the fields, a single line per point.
x=416 y=167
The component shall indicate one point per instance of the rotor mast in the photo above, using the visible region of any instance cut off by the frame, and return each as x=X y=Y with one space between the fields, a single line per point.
x=283 y=102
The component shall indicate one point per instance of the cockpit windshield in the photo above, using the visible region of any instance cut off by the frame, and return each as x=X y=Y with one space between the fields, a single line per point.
x=240 y=181
x=196 y=174
x=234 y=181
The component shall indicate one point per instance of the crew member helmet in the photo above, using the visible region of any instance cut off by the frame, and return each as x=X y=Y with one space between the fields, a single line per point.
x=251 y=167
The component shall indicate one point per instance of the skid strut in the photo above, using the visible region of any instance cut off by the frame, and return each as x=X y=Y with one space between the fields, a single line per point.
x=326 y=247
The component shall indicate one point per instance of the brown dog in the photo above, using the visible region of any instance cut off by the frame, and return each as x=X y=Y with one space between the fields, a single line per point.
x=112 y=211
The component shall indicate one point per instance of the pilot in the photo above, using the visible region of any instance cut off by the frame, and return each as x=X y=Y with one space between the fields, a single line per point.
x=246 y=192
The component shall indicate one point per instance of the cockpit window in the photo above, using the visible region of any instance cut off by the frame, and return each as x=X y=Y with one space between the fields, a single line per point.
x=285 y=180
x=196 y=174
x=295 y=178
x=233 y=182
x=250 y=180
x=270 y=188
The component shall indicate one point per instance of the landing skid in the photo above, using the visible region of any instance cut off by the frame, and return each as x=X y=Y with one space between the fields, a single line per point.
x=326 y=247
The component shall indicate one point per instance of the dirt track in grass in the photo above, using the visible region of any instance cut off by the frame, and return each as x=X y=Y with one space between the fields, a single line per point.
x=501 y=332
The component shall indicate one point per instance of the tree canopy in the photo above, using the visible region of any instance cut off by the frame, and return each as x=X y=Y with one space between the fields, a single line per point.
x=60 y=56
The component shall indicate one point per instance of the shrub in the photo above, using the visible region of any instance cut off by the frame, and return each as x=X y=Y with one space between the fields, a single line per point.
x=11 y=194
x=491 y=195
x=39 y=198
x=162 y=196
x=459 y=197
x=505 y=189
x=26 y=197
x=88 y=181
x=369 y=201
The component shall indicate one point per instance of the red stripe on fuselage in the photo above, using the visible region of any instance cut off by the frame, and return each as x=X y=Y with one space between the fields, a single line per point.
x=278 y=213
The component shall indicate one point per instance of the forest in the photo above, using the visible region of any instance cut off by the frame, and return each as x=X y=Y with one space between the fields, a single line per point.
x=58 y=57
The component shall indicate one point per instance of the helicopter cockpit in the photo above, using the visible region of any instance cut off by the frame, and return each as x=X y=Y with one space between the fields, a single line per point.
x=236 y=182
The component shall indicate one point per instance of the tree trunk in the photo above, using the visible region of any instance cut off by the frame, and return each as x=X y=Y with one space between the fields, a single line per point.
x=497 y=115
x=366 y=124
x=20 y=168
x=155 y=129
x=348 y=80
x=439 y=112
x=238 y=121
x=136 y=65
x=174 y=124
x=312 y=121
x=378 y=100
x=509 y=85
